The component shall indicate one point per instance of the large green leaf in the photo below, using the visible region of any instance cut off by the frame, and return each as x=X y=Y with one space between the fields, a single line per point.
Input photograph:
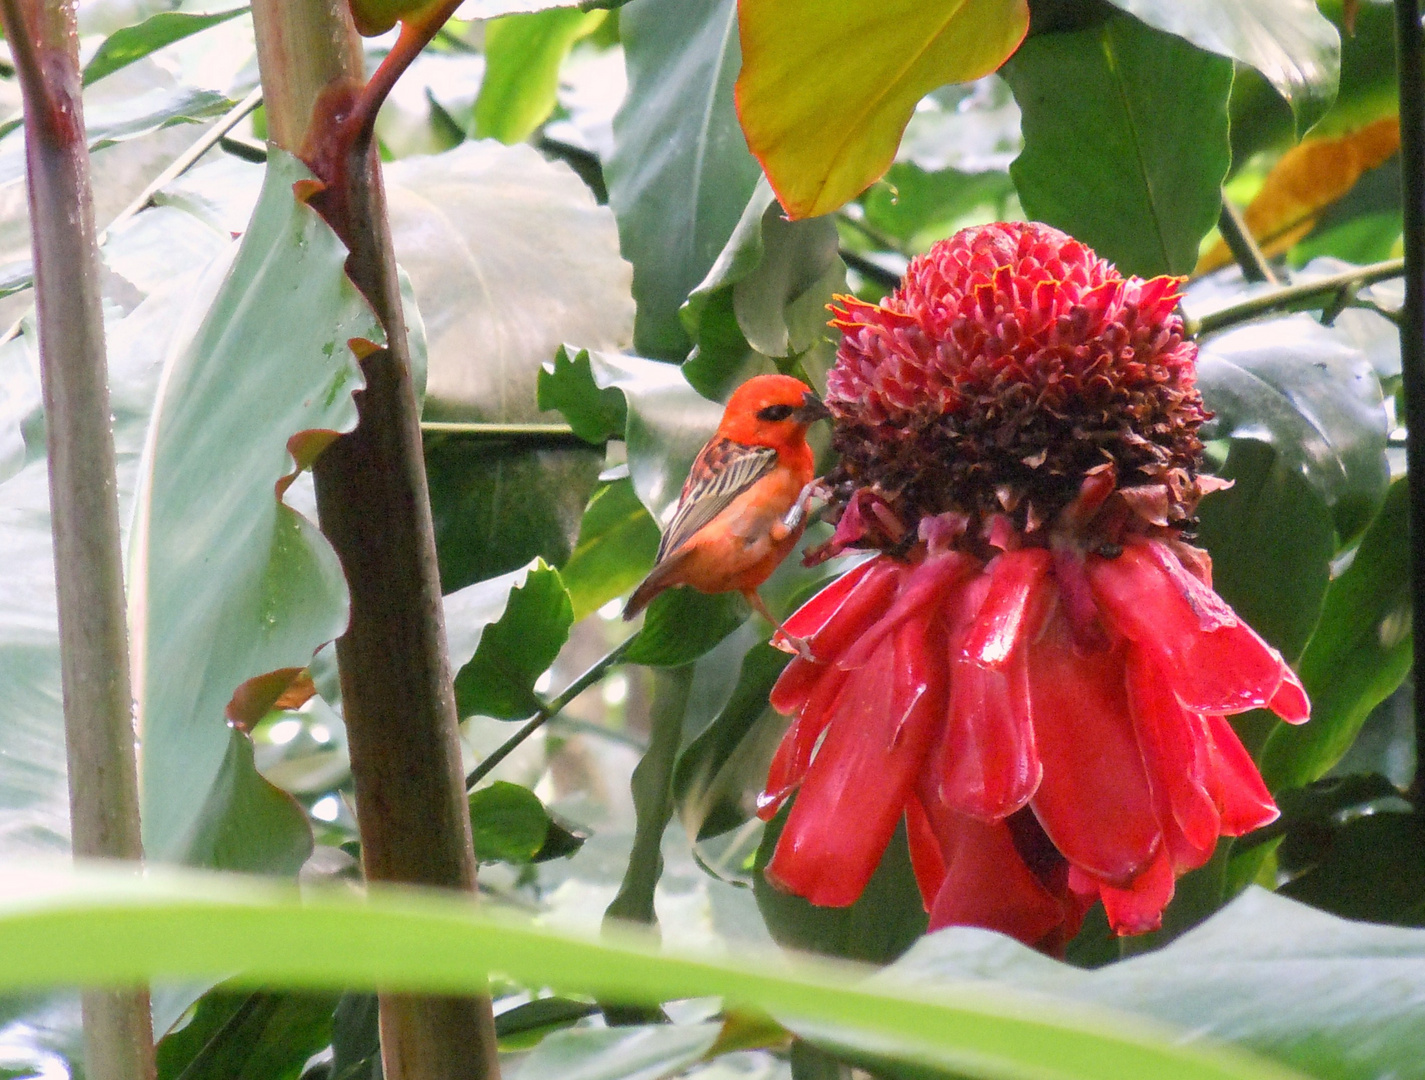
x=1336 y=999
x=59 y=925
x=1289 y=41
x=239 y=1035
x=509 y=256
x=131 y=43
x=682 y=624
x=1293 y=384
x=881 y=925
x=521 y=80
x=226 y=581
x=666 y=421
x=517 y=649
x=618 y=540
x=637 y=1052
x=139 y=102
x=1359 y=654
x=710 y=801
x=826 y=89
x=765 y=297
x=1271 y=539
x=1132 y=160
x=680 y=173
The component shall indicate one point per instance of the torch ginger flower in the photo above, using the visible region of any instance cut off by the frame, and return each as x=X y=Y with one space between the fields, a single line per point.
x=1034 y=671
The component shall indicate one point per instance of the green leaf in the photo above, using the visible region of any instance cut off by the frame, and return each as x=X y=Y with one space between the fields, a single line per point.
x=1271 y=539
x=237 y=1035
x=1289 y=41
x=1373 y=871
x=917 y=207
x=1132 y=161
x=131 y=43
x=638 y=1052
x=509 y=256
x=651 y=786
x=880 y=926
x=682 y=624
x=667 y=424
x=680 y=174
x=1359 y=654
x=1291 y=383
x=60 y=925
x=1345 y=1019
x=596 y=415
x=497 y=504
x=225 y=579
x=826 y=89
x=774 y=279
x=508 y=822
x=121 y=113
x=522 y=58
x=246 y=824
x=516 y=650
x=707 y=785
x=617 y=544
x=535 y=1018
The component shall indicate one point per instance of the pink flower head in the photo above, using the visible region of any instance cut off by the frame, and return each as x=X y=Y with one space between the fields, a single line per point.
x=1034 y=672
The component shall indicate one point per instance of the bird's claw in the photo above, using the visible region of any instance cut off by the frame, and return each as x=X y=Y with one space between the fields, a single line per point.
x=799 y=647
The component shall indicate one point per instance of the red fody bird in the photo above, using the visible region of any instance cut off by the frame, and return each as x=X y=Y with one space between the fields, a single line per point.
x=744 y=504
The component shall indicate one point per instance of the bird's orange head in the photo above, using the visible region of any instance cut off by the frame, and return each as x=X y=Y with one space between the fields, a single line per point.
x=771 y=410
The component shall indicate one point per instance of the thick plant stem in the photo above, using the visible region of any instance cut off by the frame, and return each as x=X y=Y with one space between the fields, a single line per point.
x=1410 y=69
x=397 y=693
x=84 y=505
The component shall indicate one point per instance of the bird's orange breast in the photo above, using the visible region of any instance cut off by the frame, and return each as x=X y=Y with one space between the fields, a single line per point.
x=741 y=547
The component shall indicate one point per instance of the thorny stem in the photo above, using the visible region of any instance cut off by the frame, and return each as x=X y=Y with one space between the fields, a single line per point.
x=596 y=671
x=374 y=507
x=1306 y=296
x=84 y=504
x=1410 y=70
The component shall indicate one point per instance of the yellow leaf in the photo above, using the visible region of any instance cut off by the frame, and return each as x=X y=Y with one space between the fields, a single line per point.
x=826 y=88
x=1309 y=178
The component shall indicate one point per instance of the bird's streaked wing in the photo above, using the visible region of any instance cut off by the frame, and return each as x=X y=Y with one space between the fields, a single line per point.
x=722 y=472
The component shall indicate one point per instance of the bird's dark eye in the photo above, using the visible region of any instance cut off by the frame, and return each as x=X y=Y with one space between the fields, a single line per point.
x=774 y=412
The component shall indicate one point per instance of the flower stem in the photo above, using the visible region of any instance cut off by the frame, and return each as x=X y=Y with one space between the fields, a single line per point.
x=1306 y=296
x=1410 y=71
x=595 y=672
x=84 y=504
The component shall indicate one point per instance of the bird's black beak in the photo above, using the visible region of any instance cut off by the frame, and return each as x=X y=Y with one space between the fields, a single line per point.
x=811 y=410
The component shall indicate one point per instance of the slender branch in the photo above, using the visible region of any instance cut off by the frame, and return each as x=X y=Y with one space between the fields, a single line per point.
x=871 y=233
x=548 y=712
x=1306 y=296
x=1243 y=245
x=84 y=504
x=1410 y=70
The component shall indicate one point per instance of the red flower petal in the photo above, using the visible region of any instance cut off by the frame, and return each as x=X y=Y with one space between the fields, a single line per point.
x=1176 y=757
x=813 y=616
x=1006 y=619
x=793 y=757
x=1243 y=798
x=1290 y=701
x=1094 y=801
x=925 y=584
x=986 y=882
x=856 y=789
x=987 y=763
x=1215 y=662
x=1138 y=908
x=925 y=855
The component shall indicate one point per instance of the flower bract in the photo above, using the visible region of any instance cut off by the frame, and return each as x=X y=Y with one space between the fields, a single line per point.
x=1032 y=669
